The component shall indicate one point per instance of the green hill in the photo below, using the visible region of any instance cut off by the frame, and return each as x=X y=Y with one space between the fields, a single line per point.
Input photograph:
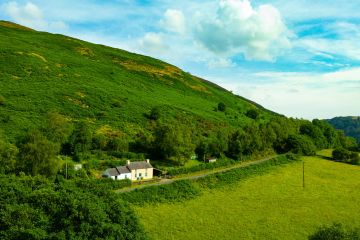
x=350 y=125
x=42 y=73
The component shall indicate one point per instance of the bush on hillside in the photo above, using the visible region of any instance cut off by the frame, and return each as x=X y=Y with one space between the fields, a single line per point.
x=335 y=232
x=221 y=107
x=2 y=100
x=346 y=156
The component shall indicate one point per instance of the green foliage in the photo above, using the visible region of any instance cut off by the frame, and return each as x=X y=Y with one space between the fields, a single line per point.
x=346 y=156
x=315 y=133
x=8 y=156
x=38 y=155
x=301 y=144
x=252 y=113
x=80 y=140
x=2 y=100
x=35 y=208
x=350 y=125
x=174 y=142
x=155 y=113
x=58 y=128
x=335 y=232
x=177 y=191
x=221 y=107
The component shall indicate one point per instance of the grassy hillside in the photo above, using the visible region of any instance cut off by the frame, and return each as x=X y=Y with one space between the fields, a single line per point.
x=270 y=206
x=42 y=73
x=350 y=125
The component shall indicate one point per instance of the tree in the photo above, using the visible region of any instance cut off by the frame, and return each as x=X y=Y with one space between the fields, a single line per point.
x=58 y=128
x=173 y=142
x=38 y=155
x=80 y=140
x=252 y=113
x=221 y=107
x=8 y=155
x=300 y=144
x=155 y=113
x=314 y=133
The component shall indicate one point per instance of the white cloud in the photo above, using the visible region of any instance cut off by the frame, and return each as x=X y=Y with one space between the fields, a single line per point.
x=153 y=43
x=31 y=15
x=260 y=34
x=304 y=95
x=174 y=21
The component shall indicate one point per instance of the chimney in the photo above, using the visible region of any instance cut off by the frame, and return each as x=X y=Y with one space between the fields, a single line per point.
x=127 y=162
x=148 y=160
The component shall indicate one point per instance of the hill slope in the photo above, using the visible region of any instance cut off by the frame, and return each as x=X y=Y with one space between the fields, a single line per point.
x=42 y=72
x=350 y=125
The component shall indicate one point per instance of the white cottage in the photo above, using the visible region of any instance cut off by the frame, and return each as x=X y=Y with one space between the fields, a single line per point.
x=133 y=170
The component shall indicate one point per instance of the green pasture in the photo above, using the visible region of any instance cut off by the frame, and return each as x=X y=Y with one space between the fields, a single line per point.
x=270 y=206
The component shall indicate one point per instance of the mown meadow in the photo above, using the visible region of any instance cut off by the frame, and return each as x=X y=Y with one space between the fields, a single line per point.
x=270 y=206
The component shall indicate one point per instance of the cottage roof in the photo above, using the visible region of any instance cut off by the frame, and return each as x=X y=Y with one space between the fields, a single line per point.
x=123 y=169
x=117 y=171
x=139 y=165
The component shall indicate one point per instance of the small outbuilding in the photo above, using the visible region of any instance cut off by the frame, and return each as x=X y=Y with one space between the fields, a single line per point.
x=210 y=160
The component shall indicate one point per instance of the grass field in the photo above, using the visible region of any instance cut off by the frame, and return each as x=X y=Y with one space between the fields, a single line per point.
x=271 y=206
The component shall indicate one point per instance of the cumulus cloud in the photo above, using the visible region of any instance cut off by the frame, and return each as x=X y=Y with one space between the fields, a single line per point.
x=153 y=43
x=31 y=15
x=259 y=34
x=174 y=21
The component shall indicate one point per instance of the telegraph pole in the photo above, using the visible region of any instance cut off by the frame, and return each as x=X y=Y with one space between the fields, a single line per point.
x=303 y=174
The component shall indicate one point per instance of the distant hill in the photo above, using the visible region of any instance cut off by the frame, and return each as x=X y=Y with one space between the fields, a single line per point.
x=42 y=73
x=350 y=125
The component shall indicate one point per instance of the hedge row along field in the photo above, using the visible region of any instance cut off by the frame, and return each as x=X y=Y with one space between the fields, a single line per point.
x=188 y=189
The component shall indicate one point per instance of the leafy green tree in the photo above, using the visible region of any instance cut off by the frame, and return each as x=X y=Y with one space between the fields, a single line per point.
x=300 y=144
x=218 y=142
x=80 y=140
x=58 y=128
x=252 y=113
x=155 y=113
x=315 y=134
x=38 y=155
x=221 y=107
x=8 y=155
x=174 y=142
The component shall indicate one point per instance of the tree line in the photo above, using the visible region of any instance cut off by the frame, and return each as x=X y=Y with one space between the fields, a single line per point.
x=42 y=151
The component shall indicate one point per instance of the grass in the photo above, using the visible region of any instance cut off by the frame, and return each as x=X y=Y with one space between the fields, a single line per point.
x=270 y=206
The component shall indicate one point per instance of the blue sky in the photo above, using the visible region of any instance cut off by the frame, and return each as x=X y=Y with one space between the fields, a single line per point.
x=299 y=58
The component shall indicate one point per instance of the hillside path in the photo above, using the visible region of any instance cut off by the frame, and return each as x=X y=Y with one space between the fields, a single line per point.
x=195 y=176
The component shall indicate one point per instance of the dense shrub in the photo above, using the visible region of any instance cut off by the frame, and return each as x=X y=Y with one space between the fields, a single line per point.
x=35 y=208
x=221 y=107
x=301 y=144
x=252 y=113
x=346 y=156
x=335 y=232
x=178 y=191
x=2 y=100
